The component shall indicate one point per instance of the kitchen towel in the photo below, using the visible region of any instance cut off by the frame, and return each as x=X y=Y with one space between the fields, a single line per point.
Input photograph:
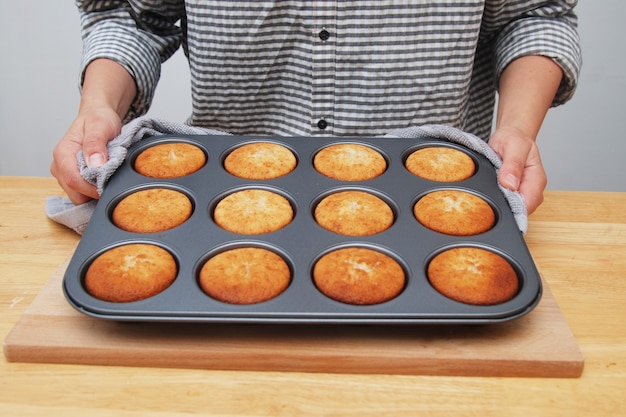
x=62 y=210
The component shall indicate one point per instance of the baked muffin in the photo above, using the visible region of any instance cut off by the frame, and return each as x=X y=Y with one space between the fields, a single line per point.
x=130 y=273
x=245 y=276
x=253 y=211
x=440 y=164
x=349 y=162
x=260 y=161
x=152 y=210
x=473 y=276
x=454 y=212
x=353 y=213
x=170 y=160
x=358 y=276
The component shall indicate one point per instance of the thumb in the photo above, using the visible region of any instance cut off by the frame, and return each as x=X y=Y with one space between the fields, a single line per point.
x=514 y=151
x=510 y=174
x=99 y=130
x=524 y=175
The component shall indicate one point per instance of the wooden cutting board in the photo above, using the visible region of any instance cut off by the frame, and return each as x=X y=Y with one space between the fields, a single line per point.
x=539 y=344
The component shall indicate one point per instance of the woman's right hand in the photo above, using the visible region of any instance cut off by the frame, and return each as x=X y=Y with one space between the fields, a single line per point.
x=107 y=93
x=90 y=132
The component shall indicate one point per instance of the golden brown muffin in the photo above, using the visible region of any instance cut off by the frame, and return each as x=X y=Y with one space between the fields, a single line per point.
x=251 y=212
x=245 y=276
x=473 y=276
x=440 y=164
x=260 y=161
x=354 y=213
x=152 y=210
x=454 y=212
x=170 y=160
x=130 y=273
x=358 y=276
x=349 y=162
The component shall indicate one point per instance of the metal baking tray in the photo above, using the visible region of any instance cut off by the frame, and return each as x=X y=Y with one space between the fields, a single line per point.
x=303 y=241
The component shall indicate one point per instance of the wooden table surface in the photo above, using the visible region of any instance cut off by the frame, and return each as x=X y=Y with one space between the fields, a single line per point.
x=578 y=240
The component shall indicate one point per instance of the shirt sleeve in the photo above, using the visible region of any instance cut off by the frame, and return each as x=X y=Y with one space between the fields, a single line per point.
x=139 y=35
x=541 y=28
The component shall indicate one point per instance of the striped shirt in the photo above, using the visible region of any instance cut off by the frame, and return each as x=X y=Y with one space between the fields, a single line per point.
x=340 y=68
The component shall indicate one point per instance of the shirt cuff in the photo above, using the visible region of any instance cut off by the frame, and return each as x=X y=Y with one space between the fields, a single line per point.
x=556 y=39
x=135 y=54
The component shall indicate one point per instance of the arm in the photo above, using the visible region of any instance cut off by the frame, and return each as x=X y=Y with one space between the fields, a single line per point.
x=108 y=91
x=537 y=61
x=527 y=89
x=124 y=44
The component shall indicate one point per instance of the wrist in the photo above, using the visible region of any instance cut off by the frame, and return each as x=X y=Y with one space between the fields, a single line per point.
x=527 y=88
x=107 y=85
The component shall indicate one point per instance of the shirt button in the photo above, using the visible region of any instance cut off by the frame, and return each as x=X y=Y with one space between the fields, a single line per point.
x=324 y=35
x=322 y=124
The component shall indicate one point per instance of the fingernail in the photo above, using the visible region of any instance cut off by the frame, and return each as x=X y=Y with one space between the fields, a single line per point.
x=512 y=181
x=96 y=160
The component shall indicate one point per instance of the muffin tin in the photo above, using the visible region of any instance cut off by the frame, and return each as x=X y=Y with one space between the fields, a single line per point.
x=302 y=241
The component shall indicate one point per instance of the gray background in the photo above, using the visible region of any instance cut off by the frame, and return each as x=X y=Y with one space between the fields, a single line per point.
x=581 y=143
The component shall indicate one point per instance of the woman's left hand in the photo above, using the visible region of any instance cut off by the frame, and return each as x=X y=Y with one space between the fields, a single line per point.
x=521 y=169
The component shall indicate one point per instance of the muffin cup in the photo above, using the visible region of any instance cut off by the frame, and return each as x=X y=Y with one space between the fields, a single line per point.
x=191 y=166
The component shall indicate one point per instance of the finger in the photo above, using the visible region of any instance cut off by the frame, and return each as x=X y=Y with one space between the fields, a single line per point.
x=98 y=131
x=513 y=151
x=513 y=165
x=533 y=197
x=83 y=196
x=533 y=185
x=65 y=168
